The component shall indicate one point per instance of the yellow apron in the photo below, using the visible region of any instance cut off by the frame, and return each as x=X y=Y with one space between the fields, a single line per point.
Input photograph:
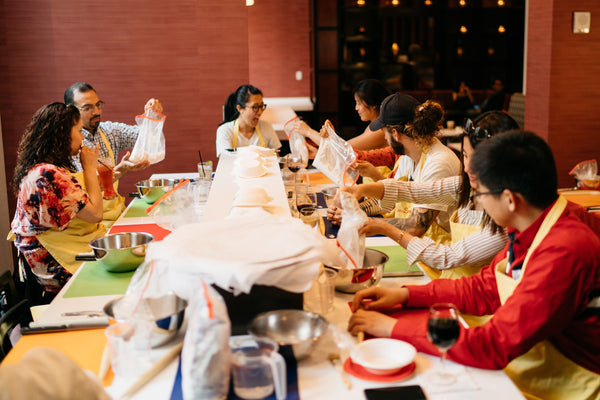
x=236 y=132
x=403 y=209
x=543 y=372
x=111 y=208
x=64 y=245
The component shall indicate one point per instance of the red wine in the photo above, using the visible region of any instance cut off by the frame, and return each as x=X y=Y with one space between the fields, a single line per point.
x=443 y=332
x=294 y=168
x=306 y=209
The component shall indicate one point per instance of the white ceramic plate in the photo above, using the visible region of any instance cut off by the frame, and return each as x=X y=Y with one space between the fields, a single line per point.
x=383 y=356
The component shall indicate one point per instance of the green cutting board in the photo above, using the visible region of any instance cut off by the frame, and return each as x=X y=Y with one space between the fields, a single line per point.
x=94 y=280
x=397 y=263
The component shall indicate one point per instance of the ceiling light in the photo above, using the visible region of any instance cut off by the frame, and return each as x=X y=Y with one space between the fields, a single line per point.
x=501 y=29
x=463 y=29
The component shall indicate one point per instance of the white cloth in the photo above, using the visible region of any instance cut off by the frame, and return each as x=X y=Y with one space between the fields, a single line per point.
x=239 y=252
x=225 y=137
x=440 y=162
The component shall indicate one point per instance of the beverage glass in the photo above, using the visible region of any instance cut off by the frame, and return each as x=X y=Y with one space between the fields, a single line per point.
x=201 y=189
x=205 y=170
x=106 y=177
x=295 y=163
x=306 y=204
x=129 y=349
x=257 y=368
x=443 y=330
x=319 y=298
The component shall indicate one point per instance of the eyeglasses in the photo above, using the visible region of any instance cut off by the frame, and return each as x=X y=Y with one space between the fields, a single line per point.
x=476 y=194
x=89 y=107
x=476 y=134
x=258 y=107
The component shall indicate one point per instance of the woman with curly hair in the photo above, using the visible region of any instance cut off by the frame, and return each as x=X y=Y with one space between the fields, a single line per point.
x=417 y=154
x=57 y=212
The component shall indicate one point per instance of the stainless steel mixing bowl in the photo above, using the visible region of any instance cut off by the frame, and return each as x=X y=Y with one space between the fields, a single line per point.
x=166 y=313
x=300 y=329
x=151 y=190
x=352 y=280
x=121 y=252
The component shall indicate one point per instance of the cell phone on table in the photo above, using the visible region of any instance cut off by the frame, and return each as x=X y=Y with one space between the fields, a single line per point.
x=413 y=392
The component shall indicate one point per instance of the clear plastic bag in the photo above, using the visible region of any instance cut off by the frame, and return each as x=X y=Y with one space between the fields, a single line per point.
x=206 y=355
x=352 y=245
x=334 y=158
x=297 y=141
x=150 y=144
x=586 y=174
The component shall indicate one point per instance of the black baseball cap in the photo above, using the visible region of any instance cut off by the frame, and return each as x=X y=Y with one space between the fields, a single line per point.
x=396 y=109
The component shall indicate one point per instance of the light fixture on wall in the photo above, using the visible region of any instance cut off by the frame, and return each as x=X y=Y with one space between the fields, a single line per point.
x=462 y=3
x=459 y=51
x=501 y=29
x=395 y=49
x=395 y=2
x=249 y=3
x=463 y=29
x=491 y=51
x=428 y=3
x=360 y=2
x=501 y=3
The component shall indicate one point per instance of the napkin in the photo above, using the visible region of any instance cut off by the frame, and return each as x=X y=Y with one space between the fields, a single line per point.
x=464 y=382
x=240 y=252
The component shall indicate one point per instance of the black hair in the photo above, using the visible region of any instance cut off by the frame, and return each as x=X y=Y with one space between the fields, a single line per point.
x=372 y=92
x=521 y=162
x=76 y=87
x=47 y=139
x=238 y=98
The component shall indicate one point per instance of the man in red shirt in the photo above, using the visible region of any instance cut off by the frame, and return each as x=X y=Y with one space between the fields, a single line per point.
x=543 y=289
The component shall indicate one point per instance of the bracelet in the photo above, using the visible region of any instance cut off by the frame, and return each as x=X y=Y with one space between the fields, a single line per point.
x=400 y=238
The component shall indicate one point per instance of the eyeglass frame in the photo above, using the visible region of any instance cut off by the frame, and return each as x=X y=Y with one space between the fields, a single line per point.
x=90 y=107
x=257 y=108
x=475 y=133
x=476 y=194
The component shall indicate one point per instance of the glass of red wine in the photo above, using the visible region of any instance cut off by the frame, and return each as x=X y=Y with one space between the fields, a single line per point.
x=295 y=163
x=306 y=204
x=443 y=329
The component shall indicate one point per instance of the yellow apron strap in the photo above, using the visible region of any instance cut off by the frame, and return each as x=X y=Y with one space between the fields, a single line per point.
x=236 y=132
x=111 y=154
x=544 y=372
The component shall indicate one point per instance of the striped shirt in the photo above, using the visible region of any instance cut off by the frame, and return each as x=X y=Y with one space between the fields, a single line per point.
x=478 y=248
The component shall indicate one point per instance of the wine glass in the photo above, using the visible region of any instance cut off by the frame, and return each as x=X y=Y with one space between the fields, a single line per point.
x=295 y=163
x=442 y=330
x=306 y=204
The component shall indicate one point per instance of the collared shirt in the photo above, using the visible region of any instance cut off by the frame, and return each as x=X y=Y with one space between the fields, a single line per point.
x=120 y=136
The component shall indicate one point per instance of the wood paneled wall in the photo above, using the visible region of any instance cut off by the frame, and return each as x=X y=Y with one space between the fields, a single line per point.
x=563 y=81
x=190 y=54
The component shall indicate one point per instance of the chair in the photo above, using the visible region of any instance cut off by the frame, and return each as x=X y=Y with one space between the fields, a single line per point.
x=17 y=316
x=30 y=288
x=516 y=108
x=8 y=292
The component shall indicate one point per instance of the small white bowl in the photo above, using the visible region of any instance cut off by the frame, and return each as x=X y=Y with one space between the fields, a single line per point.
x=383 y=356
x=250 y=169
x=248 y=196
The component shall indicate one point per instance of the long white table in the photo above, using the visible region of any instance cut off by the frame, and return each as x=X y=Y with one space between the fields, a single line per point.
x=317 y=378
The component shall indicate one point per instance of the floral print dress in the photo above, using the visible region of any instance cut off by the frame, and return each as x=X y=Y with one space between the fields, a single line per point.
x=49 y=197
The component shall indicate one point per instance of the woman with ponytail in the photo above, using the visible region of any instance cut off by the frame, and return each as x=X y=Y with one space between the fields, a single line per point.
x=241 y=122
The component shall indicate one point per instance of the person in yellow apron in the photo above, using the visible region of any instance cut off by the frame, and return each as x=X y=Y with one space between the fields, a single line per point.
x=241 y=122
x=411 y=130
x=112 y=138
x=55 y=218
x=543 y=289
x=475 y=238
